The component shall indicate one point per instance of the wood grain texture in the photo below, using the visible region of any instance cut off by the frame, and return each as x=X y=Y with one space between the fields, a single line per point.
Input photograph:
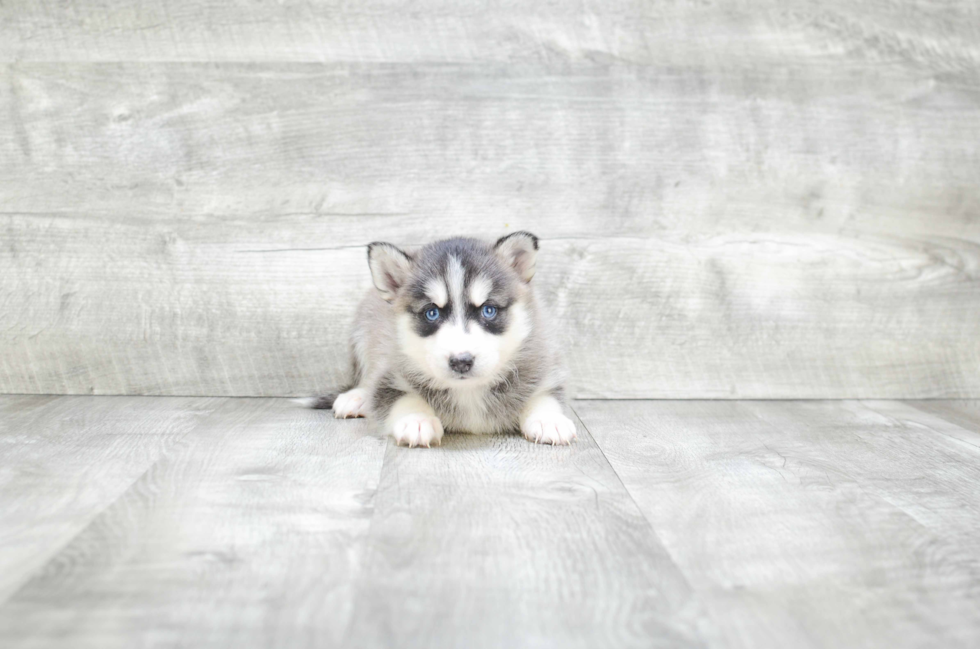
x=774 y=201
x=614 y=148
x=495 y=542
x=964 y=414
x=806 y=524
x=675 y=32
x=249 y=534
x=63 y=460
x=194 y=311
x=246 y=523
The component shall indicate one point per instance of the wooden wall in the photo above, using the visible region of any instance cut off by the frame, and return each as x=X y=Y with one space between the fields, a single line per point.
x=736 y=199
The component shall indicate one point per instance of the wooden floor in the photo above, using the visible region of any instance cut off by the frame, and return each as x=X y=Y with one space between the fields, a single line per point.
x=139 y=522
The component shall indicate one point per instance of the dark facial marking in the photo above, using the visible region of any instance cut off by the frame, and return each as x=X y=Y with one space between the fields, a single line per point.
x=478 y=259
x=425 y=327
x=497 y=325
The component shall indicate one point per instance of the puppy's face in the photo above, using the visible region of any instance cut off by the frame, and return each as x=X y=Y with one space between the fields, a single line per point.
x=460 y=303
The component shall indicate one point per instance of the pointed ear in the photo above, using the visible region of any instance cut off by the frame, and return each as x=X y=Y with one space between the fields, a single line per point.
x=519 y=251
x=390 y=268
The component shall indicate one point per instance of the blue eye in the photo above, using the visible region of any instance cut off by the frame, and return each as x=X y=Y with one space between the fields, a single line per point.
x=432 y=314
x=489 y=311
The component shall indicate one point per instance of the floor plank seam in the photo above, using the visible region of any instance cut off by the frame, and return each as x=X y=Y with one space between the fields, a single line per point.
x=639 y=509
x=109 y=505
x=362 y=567
x=54 y=554
x=867 y=490
x=911 y=404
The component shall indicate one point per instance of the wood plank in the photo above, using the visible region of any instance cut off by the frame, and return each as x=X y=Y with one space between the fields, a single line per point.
x=938 y=458
x=495 y=542
x=725 y=316
x=160 y=314
x=922 y=464
x=783 y=516
x=63 y=460
x=247 y=535
x=821 y=145
x=964 y=414
x=764 y=31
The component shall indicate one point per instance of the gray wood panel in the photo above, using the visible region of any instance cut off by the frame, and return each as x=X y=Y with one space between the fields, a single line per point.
x=806 y=524
x=822 y=145
x=965 y=414
x=248 y=534
x=496 y=542
x=676 y=32
x=779 y=201
x=256 y=523
x=185 y=309
x=924 y=465
x=63 y=460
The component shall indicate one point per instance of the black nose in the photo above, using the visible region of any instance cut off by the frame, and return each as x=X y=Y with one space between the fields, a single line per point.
x=461 y=363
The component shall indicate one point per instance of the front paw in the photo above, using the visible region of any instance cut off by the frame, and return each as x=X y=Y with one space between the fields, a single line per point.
x=352 y=403
x=549 y=428
x=417 y=429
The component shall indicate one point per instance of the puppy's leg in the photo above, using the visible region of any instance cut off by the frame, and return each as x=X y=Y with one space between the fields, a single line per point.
x=544 y=422
x=412 y=422
x=352 y=403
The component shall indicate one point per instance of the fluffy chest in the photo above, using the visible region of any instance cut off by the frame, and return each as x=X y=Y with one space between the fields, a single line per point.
x=471 y=411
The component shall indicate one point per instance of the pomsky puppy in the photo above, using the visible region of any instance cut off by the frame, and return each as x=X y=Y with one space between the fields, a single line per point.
x=452 y=339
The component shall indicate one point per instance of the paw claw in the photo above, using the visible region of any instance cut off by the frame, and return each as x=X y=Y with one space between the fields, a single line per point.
x=417 y=429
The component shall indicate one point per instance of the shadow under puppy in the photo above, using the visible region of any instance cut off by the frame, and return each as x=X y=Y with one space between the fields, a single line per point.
x=453 y=339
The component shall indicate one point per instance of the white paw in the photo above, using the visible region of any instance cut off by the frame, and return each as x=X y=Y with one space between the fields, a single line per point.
x=549 y=428
x=352 y=403
x=417 y=429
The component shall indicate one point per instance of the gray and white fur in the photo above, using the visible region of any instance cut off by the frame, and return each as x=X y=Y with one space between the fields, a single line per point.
x=453 y=339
